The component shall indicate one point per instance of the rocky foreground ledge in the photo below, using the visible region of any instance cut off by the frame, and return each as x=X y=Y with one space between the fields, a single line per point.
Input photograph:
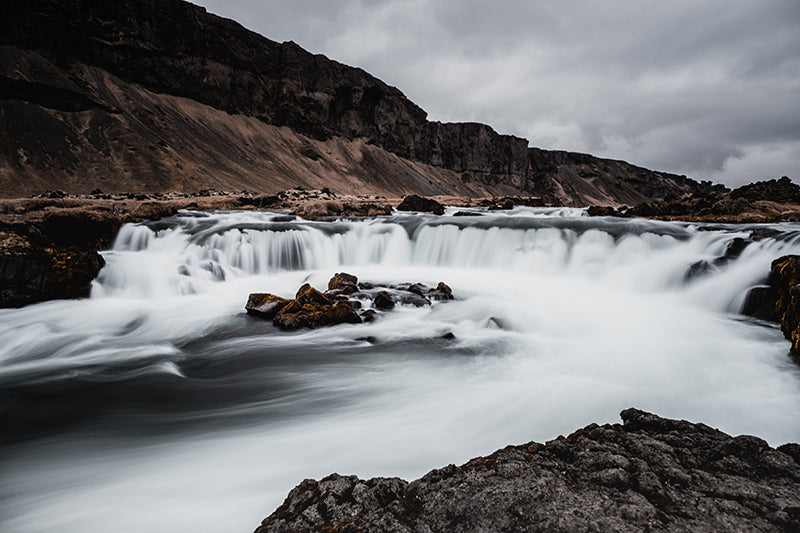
x=648 y=474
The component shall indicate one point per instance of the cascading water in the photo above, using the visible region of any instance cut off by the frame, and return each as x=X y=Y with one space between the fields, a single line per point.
x=159 y=405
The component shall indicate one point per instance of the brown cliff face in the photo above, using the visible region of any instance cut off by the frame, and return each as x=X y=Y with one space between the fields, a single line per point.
x=160 y=95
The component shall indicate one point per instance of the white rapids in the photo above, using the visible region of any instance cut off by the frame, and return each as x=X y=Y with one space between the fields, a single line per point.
x=159 y=405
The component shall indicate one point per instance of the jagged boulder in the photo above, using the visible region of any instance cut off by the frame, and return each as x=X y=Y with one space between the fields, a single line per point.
x=418 y=203
x=265 y=305
x=647 y=474
x=343 y=282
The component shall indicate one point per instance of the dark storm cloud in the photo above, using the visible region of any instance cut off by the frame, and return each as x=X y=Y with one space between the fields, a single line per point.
x=710 y=89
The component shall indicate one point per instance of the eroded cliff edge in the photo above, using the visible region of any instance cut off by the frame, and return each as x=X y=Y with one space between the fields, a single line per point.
x=159 y=95
x=648 y=474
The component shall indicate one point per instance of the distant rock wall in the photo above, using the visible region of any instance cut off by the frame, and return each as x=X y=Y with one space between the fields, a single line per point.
x=90 y=84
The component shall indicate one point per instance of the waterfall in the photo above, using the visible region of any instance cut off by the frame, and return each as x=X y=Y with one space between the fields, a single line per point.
x=157 y=404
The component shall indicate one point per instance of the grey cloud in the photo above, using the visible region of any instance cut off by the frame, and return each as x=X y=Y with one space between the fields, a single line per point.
x=710 y=89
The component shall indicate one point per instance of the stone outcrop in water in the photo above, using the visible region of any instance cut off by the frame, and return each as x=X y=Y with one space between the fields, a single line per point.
x=340 y=304
x=779 y=300
x=33 y=273
x=53 y=253
x=159 y=95
x=648 y=474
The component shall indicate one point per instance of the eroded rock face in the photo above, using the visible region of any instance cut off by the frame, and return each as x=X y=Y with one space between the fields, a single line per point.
x=779 y=301
x=648 y=474
x=161 y=95
x=30 y=274
x=342 y=303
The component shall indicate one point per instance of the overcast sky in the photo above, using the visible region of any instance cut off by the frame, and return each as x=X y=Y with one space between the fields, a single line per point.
x=706 y=88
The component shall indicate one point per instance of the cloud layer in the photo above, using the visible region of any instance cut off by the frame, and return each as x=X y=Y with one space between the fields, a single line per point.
x=709 y=89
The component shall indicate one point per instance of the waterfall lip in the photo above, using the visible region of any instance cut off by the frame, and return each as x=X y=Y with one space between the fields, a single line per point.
x=580 y=225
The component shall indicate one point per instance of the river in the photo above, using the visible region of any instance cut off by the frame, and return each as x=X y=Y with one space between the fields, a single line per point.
x=158 y=404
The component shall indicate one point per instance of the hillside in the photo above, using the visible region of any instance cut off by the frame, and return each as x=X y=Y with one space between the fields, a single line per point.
x=159 y=95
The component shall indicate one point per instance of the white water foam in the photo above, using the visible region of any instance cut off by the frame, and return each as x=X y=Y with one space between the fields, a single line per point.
x=560 y=320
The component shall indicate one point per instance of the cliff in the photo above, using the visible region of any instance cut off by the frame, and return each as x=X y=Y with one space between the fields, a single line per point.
x=159 y=95
x=648 y=474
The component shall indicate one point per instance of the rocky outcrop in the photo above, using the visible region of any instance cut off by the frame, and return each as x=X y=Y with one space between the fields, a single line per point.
x=648 y=474
x=30 y=274
x=763 y=201
x=782 y=191
x=159 y=95
x=413 y=202
x=53 y=253
x=345 y=302
x=779 y=300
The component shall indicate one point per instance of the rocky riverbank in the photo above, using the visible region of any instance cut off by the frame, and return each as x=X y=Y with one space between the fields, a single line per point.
x=763 y=201
x=49 y=243
x=779 y=300
x=647 y=474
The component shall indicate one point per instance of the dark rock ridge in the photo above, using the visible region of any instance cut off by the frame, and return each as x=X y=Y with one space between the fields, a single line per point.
x=53 y=255
x=160 y=95
x=763 y=201
x=779 y=300
x=648 y=474
x=417 y=203
x=341 y=303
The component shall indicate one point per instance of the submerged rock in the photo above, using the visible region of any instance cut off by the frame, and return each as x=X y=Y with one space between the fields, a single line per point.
x=340 y=304
x=648 y=474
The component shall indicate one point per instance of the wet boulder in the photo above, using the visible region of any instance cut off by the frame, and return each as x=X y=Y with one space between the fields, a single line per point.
x=315 y=316
x=344 y=283
x=383 y=301
x=441 y=292
x=265 y=305
x=342 y=303
x=779 y=300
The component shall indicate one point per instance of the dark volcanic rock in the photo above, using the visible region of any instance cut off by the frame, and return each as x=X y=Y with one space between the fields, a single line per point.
x=648 y=474
x=30 y=274
x=418 y=203
x=782 y=191
x=265 y=305
x=343 y=282
x=383 y=301
x=779 y=301
x=313 y=309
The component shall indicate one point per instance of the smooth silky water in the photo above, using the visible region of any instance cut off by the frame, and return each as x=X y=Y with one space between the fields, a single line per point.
x=159 y=405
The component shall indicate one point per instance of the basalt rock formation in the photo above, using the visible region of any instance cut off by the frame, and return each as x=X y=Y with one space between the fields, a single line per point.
x=648 y=474
x=159 y=95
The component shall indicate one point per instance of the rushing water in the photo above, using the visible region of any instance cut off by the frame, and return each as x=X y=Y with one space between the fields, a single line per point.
x=159 y=405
